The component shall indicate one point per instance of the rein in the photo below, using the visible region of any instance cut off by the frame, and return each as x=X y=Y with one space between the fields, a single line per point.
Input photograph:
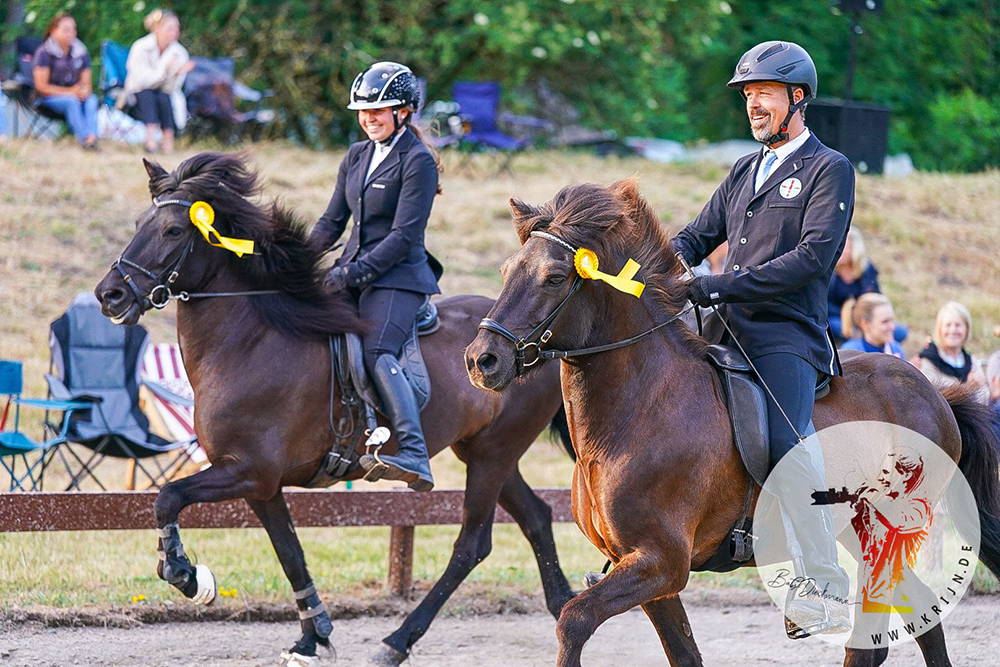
x=522 y=344
x=160 y=294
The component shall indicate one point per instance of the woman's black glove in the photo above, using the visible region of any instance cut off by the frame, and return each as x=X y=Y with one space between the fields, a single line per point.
x=336 y=279
x=696 y=292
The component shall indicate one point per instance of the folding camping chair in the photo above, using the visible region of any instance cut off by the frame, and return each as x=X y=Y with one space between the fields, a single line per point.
x=15 y=445
x=98 y=361
x=41 y=121
x=479 y=102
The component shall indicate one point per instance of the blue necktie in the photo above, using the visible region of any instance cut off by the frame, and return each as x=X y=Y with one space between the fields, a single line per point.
x=769 y=161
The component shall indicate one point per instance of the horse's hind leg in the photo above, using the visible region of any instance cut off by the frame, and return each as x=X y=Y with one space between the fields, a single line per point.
x=865 y=657
x=671 y=623
x=535 y=519
x=635 y=580
x=933 y=646
x=208 y=486
x=316 y=626
x=474 y=543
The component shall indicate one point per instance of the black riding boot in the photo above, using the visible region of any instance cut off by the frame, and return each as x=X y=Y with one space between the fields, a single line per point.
x=410 y=463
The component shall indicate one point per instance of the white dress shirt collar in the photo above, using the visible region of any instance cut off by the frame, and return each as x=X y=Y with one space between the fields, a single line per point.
x=381 y=152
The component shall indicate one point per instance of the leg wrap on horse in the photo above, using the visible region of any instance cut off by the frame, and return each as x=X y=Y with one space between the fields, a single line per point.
x=174 y=567
x=312 y=614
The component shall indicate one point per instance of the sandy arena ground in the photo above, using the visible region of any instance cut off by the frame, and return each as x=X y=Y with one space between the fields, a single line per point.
x=746 y=635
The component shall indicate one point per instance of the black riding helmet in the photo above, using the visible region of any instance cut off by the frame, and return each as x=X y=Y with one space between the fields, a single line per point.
x=386 y=85
x=781 y=62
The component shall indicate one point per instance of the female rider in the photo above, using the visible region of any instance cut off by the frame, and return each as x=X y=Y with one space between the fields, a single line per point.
x=387 y=184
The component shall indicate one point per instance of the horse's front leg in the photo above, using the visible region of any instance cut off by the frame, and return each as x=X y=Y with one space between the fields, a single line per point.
x=316 y=625
x=208 y=486
x=635 y=580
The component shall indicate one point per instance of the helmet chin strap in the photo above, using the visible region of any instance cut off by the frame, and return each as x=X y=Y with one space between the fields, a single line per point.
x=397 y=125
x=782 y=134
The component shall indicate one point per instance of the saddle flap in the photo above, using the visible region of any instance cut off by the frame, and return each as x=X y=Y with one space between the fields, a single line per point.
x=411 y=360
x=748 y=416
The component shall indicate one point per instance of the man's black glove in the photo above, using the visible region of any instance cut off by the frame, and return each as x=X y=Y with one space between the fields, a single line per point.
x=696 y=292
x=336 y=278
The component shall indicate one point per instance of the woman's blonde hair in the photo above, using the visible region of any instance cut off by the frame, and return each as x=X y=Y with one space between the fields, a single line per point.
x=953 y=308
x=859 y=253
x=856 y=311
x=156 y=17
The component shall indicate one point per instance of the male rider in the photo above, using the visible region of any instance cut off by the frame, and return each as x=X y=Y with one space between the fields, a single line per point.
x=785 y=212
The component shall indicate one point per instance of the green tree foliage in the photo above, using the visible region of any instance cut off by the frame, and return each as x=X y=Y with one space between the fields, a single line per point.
x=639 y=67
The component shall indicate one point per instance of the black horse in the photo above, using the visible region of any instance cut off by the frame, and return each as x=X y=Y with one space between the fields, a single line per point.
x=259 y=365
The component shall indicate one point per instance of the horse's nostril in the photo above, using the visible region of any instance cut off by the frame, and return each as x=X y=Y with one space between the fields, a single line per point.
x=113 y=295
x=486 y=361
x=469 y=363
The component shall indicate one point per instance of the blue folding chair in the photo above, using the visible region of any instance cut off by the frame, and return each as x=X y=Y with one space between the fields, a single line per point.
x=479 y=102
x=15 y=446
x=112 y=79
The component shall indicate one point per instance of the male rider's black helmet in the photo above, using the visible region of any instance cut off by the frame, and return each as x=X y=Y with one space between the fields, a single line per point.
x=781 y=62
x=384 y=85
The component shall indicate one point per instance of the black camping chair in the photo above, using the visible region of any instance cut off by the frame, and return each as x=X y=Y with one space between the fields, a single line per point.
x=99 y=362
x=40 y=119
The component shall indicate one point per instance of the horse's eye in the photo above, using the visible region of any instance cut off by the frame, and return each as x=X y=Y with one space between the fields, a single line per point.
x=556 y=280
x=173 y=232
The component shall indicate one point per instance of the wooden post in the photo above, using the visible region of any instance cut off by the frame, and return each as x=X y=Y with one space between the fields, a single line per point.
x=400 y=560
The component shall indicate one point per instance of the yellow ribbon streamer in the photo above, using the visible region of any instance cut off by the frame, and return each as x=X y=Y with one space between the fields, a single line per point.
x=202 y=216
x=586 y=265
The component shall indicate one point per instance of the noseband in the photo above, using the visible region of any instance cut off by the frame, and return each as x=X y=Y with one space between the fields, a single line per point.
x=160 y=294
x=543 y=332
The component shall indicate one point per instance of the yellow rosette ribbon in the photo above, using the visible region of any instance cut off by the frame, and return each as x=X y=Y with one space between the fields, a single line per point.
x=586 y=265
x=202 y=216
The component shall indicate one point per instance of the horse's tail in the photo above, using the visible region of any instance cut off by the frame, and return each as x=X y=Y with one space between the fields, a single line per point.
x=560 y=427
x=980 y=463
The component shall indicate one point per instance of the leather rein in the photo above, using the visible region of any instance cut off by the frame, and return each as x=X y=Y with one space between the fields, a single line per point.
x=161 y=294
x=543 y=332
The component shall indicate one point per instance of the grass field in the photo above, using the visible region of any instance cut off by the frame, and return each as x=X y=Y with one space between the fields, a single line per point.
x=65 y=215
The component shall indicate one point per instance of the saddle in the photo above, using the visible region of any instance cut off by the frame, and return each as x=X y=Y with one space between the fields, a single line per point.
x=358 y=393
x=744 y=399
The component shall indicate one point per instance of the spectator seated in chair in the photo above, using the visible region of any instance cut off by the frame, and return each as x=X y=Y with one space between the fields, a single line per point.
x=63 y=79
x=157 y=65
x=872 y=316
x=853 y=276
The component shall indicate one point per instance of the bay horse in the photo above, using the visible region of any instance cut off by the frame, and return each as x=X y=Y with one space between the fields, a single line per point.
x=658 y=481
x=258 y=358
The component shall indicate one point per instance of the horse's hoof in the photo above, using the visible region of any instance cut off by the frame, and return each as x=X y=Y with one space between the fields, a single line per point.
x=298 y=660
x=592 y=578
x=206 y=585
x=387 y=656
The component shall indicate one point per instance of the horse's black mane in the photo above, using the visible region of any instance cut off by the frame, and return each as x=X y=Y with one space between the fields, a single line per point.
x=282 y=260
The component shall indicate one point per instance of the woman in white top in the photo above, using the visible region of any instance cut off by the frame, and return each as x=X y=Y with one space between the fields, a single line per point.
x=156 y=67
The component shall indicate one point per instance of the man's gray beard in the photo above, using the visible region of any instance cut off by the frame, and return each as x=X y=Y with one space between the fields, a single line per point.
x=763 y=135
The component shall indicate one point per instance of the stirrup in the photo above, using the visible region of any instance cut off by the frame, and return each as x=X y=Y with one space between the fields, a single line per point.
x=379 y=437
x=828 y=625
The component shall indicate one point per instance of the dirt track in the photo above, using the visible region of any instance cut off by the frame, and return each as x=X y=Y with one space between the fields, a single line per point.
x=747 y=635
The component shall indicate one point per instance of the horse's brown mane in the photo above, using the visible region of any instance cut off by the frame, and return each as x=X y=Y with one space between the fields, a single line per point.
x=283 y=260
x=615 y=221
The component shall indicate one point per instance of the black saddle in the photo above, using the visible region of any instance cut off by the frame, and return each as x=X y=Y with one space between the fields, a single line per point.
x=744 y=399
x=349 y=353
x=360 y=398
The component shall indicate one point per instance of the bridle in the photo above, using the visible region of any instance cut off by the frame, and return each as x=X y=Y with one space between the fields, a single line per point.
x=543 y=332
x=160 y=294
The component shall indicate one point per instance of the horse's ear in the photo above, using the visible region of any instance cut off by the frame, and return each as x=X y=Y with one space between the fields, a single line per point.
x=153 y=169
x=627 y=190
x=522 y=214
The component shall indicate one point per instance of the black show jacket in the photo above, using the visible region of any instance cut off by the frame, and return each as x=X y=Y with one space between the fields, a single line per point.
x=390 y=211
x=784 y=242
